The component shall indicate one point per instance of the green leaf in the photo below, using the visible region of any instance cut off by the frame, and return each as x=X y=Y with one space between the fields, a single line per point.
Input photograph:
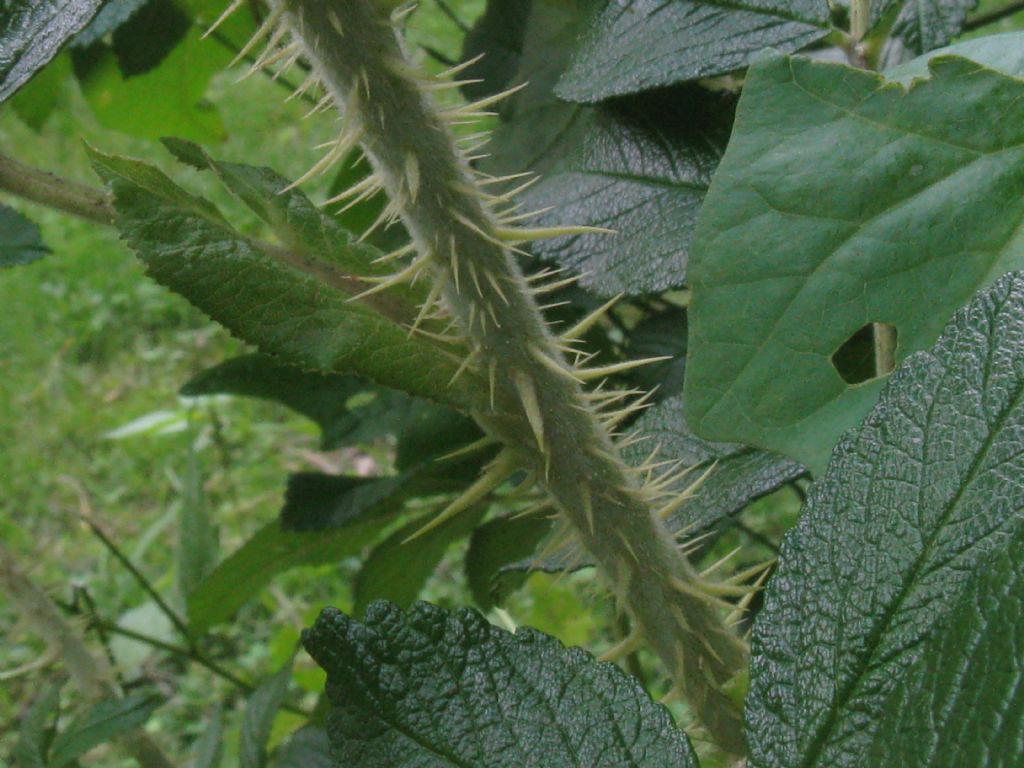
x=308 y=748
x=737 y=474
x=963 y=696
x=105 y=721
x=289 y=304
x=35 y=102
x=641 y=168
x=321 y=397
x=111 y=16
x=499 y=34
x=496 y=545
x=31 y=33
x=927 y=24
x=37 y=728
x=637 y=45
x=927 y=490
x=209 y=747
x=260 y=711
x=197 y=536
x=145 y=38
x=843 y=200
x=317 y=502
x=1003 y=53
x=21 y=242
x=270 y=551
x=431 y=688
x=397 y=569
x=166 y=99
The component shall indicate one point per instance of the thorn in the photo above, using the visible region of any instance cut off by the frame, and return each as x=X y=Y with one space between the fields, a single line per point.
x=589 y=374
x=529 y=234
x=588 y=505
x=234 y=6
x=476 y=445
x=492 y=375
x=383 y=283
x=496 y=474
x=624 y=647
x=719 y=563
x=588 y=322
x=531 y=405
x=540 y=290
x=470 y=358
x=268 y=27
x=552 y=364
x=412 y=175
x=452 y=71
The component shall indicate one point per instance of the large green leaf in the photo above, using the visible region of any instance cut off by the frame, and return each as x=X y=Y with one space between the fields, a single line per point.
x=495 y=550
x=638 y=166
x=635 y=45
x=844 y=200
x=273 y=550
x=104 y=721
x=293 y=304
x=925 y=492
x=32 y=32
x=321 y=397
x=963 y=697
x=21 y=242
x=641 y=168
x=433 y=689
x=166 y=99
x=397 y=568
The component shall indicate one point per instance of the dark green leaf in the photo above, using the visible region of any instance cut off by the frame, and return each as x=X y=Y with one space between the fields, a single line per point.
x=317 y=502
x=209 y=747
x=272 y=550
x=147 y=37
x=197 y=536
x=843 y=200
x=397 y=569
x=963 y=697
x=636 y=45
x=32 y=32
x=926 y=491
x=498 y=35
x=35 y=102
x=496 y=545
x=21 y=242
x=641 y=168
x=308 y=748
x=260 y=711
x=37 y=728
x=321 y=397
x=289 y=304
x=166 y=99
x=111 y=16
x=105 y=721
x=429 y=688
x=737 y=474
x=927 y=24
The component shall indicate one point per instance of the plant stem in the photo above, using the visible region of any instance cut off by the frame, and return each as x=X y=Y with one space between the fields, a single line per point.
x=860 y=19
x=91 y=675
x=993 y=16
x=885 y=349
x=539 y=410
x=54 y=191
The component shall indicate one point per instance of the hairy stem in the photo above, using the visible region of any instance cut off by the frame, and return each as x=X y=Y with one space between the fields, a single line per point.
x=54 y=191
x=540 y=411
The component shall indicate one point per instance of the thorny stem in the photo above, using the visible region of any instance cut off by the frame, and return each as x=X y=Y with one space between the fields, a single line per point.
x=541 y=412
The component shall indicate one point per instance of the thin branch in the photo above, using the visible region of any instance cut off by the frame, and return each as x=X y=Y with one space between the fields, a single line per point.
x=993 y=16
x=165 y=609
x=55 y=192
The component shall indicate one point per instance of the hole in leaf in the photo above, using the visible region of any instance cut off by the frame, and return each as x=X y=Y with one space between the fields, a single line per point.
x=867 y=354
